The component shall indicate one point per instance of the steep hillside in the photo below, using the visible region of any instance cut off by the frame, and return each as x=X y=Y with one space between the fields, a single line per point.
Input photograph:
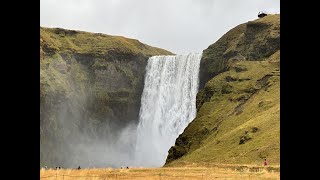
x=238 y=105
x=90 y=84
x=252 y=41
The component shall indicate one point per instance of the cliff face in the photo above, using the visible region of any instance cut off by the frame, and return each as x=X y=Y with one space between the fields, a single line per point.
x=238 y=105
x=90 y=83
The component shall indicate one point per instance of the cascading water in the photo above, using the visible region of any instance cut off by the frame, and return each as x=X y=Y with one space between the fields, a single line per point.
x=168 y=105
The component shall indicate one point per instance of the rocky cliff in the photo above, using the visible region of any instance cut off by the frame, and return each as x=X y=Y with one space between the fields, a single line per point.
x=90 y=84
x=238 y=105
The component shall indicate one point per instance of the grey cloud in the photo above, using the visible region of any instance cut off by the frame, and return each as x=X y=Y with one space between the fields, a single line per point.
x=180 y=26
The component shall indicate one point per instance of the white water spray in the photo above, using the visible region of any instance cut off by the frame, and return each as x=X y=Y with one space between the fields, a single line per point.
x=168 y=105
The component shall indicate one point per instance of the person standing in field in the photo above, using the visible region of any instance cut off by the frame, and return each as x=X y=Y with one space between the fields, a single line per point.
x=265 y=163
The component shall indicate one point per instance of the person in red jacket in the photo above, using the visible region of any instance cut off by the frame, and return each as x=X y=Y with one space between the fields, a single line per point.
x=265 y=163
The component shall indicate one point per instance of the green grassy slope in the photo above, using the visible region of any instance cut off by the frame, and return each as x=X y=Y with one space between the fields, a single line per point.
x=251 y=41
x=57 y=39
x=238 y=118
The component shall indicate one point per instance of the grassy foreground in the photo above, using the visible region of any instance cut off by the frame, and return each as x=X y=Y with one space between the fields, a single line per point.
x=214 y=172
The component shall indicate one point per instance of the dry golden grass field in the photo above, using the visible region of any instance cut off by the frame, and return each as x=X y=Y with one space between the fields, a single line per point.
x=171 y=173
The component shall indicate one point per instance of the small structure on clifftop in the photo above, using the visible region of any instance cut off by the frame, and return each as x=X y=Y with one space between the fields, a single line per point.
x=262 y=14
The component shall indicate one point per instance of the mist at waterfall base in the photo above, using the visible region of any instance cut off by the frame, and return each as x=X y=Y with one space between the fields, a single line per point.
x=168 y=105
x=80 y=140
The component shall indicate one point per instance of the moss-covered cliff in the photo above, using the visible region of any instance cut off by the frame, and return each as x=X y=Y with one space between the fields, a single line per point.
x=238 y=118
x=87 y=80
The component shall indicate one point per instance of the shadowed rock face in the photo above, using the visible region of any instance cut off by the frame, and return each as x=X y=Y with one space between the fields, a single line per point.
x=238 y=104
x=90 y=89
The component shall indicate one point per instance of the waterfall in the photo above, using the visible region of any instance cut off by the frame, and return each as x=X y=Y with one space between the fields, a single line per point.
x=168 y=105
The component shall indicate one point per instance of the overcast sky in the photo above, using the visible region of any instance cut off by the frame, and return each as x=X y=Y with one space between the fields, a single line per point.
x=179 y=26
